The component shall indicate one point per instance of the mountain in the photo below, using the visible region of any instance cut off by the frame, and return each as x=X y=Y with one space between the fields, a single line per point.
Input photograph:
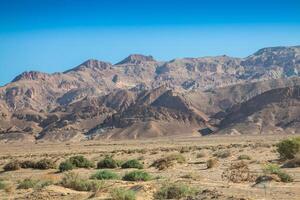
x=141 y=97
x=274 y=111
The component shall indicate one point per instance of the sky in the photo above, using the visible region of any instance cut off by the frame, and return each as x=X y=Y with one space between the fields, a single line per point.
x=56 y=35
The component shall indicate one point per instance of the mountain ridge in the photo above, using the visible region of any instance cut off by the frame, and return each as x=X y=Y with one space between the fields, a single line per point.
x=161 y=95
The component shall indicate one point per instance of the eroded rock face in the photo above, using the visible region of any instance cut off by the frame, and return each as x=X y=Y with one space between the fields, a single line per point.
x=142 y=94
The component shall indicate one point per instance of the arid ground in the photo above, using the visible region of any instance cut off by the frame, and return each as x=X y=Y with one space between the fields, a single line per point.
x=193 y=172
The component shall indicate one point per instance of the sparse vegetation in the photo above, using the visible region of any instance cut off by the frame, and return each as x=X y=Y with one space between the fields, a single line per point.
x=75 y=162
x=288 y=148
x=184 y=149
x=31 y=183
x=201 y=154
x=174 y=191
x=211 y=163
x=168 y=161
x=81 y=162
x=137 y=175
x=107 y=162
x=73 y=181
x=238 y=172
x=2 y=185
x=104 y=175
x=122 y=194
x=132 y=164
x=12 y=166
x=271 y=169
x=27 y=164
x=27 y=183
x=222 y=154
x=65 y=166
x=275 y=169
x=45 y=164
x=244 y=157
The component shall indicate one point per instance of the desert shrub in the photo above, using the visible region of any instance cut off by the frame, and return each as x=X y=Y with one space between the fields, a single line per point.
x=107 y=162
x=137 y=175
x=238 y=172
x=65 y=166
x=295 y=162
x=184 y=149
x=104 y=175
x=132 y=164
x=2 y=185
x=211 y=163
x=27 y=164
x=12 y=166
x=80 y=162
x=288 y=148
x=275 y=169
x=122 y=194
x=73 y=181
x=45 y=164
x=168 y=161
x=222 y=154
x=284 y=177
x=271 y=169
x=201 y=154
x=175 y=191
x=27 y=183
x=244 y=157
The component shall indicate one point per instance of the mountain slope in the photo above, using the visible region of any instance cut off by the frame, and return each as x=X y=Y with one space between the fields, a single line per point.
x=277 y=110
x=161 y=97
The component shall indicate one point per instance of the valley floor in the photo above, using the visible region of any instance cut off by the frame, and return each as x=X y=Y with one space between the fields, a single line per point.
x=194 y=172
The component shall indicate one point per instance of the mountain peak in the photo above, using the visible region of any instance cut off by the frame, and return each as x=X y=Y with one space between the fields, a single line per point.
x=30 y=75
x=276 y=49
x=91 y=64
x=136 y=59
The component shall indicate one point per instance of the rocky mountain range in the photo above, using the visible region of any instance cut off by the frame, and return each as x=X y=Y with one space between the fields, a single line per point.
x=140 y=97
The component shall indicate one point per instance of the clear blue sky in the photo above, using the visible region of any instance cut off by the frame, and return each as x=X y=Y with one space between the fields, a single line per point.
x=55 y=35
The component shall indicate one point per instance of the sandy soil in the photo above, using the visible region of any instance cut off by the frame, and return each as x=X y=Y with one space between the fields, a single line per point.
x=193 y=172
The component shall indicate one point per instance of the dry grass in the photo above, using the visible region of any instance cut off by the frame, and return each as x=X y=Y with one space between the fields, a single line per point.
x=188 y=168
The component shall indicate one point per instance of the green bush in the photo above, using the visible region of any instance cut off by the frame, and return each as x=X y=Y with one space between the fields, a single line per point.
x=2 y=185
x=65 y=166
x=284 y=177
x=45 y=164
x=104 y=175
x=73 y=181
x=137 y=175
x=27 y=164
x=271 y=169
x=81 y=162
x=244 y=157
x=122 y=194
x=132 y=164
x=12 y=166
x=274 y=169
x=175 y=191
x=27 y=183
x=107 y=162
x=288 y=148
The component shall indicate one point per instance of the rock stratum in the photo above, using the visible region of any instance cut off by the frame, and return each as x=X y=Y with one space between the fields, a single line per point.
x=140 y=97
